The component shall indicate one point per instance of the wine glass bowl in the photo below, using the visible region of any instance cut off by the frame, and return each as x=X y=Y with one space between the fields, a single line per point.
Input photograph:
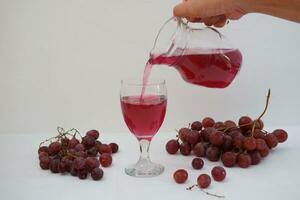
x=144 y=108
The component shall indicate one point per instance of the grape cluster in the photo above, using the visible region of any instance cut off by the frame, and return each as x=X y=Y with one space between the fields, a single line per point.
x=79 y=157
x=242 y=144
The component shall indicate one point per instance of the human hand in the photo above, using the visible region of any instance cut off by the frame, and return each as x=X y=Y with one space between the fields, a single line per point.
x=210 y=12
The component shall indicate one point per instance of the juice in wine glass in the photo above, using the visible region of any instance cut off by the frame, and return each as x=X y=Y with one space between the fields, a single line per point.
x=144 y=115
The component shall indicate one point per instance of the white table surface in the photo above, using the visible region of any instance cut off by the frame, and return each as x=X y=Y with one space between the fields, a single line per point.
x=276 y=177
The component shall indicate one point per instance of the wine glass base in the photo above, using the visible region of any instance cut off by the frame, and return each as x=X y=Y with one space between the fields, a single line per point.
x=144 y=168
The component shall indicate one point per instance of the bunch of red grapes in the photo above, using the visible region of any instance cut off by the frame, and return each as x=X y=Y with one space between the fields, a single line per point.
x=67 y=154
x=242 y=144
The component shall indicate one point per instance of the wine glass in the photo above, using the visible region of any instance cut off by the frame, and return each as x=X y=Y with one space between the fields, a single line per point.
x=144 y=108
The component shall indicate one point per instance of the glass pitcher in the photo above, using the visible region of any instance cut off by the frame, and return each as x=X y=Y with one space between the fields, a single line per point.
x=202 y=56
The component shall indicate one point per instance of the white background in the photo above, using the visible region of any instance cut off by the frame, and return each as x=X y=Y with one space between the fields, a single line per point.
x=61 y=63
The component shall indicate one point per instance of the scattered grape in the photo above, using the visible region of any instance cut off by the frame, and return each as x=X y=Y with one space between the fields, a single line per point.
x=218 y=173
x=203 y=180
x=197 y=163
x=180 y=176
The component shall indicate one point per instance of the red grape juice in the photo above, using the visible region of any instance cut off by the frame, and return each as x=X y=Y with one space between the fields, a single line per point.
x=215 y=68
x=145 y=115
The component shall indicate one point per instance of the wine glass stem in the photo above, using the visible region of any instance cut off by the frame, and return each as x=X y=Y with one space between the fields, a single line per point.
x=144 y=148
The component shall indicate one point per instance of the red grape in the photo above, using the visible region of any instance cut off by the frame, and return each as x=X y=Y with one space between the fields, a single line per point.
x=182 y=133
x=114 y=147
x=93 y=133
x=91 y=163
x=216 y=138
x=54 y=165
x=197 y=126
x=79 y=147
x=88 y=141
x=185 y=148
x=105 y=159
x=281 y=135
x=43 y=149
x=227 y=144
x=197 y=163
x=228 y=159
x=244 y=160
x=238 y=141
x=219 y=126
x=172 y=146
x=73 y=171
x=234 y=133
x=207 y=132
x=97 y=173
x=68 y=163
x=82 y=174
x=261 y=144
x=180 y=176
x=218 y=173
x=203 y=180
x=193 y=137
x=271 y=140
x=92 y=151
x=199 y=150
x=208 y=122
x=259 y=124
x=79 y=163
x=82 y=154
x=104 y=148
x=257 y=133
x=43 y=154
x=45 y=162
x=213 y=153
x=245 y=123
x=62 y=167
x=255 y=157
x=72 y=143
x=264 y=152
x=54 y=148
x=230 y=124
x=249 y=143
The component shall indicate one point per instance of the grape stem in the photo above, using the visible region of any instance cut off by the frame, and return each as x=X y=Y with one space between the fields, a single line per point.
x=264 y=111
x=208 y=193
x=254 y=122
x=61 y=134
